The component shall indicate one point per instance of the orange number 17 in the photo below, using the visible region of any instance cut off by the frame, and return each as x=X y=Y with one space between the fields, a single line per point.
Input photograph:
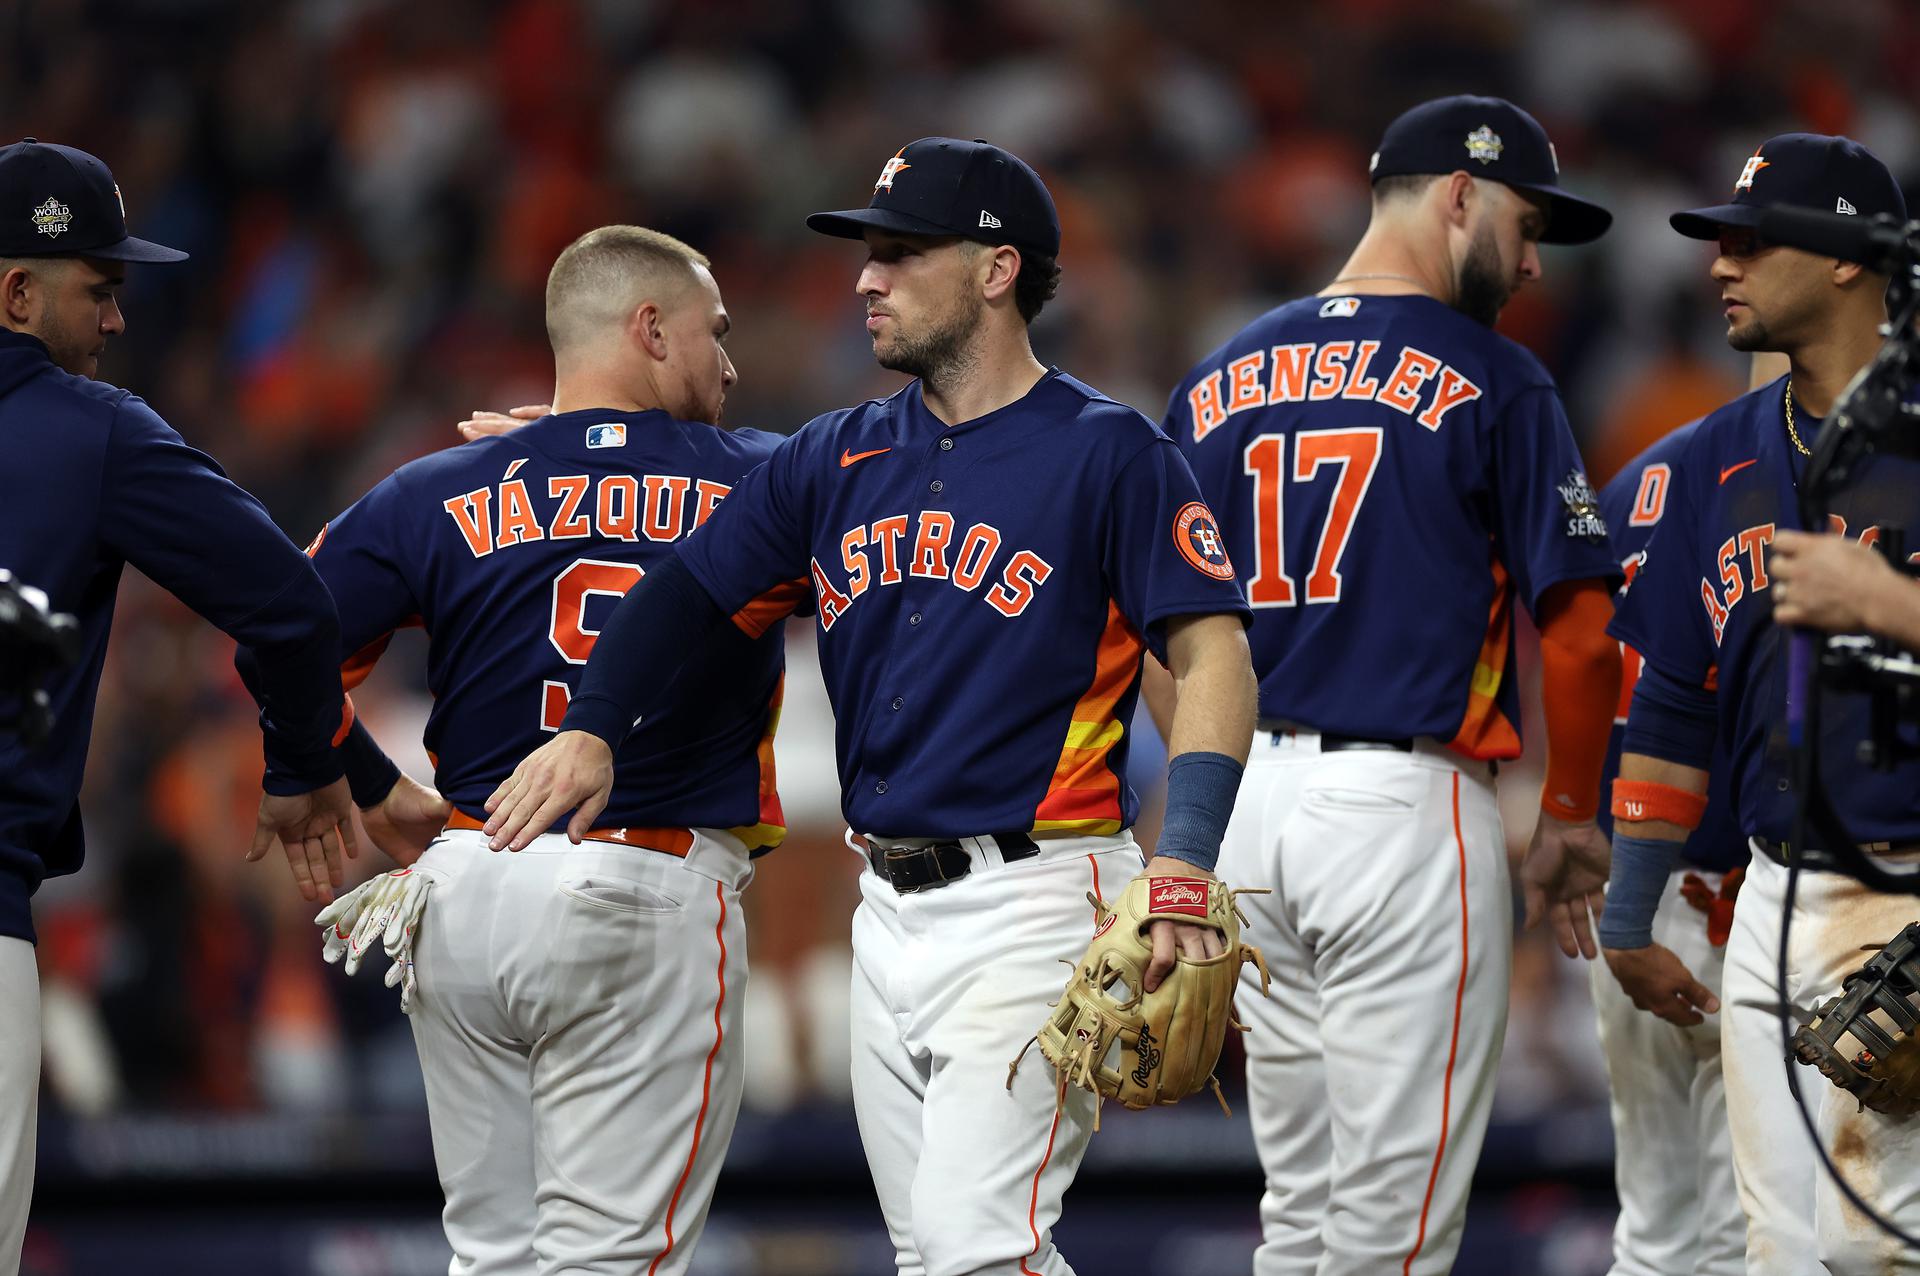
x=1356 y=453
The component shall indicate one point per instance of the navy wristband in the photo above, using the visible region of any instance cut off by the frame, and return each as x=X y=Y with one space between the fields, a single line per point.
x=1200 y=793
x=1641 y=867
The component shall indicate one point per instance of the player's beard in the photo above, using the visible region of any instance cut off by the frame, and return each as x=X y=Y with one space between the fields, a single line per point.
x=942 y=353
x=1751 y=336
x=1482 y=289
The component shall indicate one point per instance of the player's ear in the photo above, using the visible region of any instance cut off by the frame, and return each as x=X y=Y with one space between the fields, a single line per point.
x=646 y=328
x=16 y=294
x=998 y=269
x=1460 y=194
x=1845 y=272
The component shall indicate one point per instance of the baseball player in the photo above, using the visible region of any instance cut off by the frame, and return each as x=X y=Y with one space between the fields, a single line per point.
x=992 y=549
x=1699 y=612
x=1672 y=1168
x=578 y=1006
x=1392 y=476
x=94 y=480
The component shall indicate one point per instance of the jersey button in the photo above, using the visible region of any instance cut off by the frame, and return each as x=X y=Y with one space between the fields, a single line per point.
x=946 y=445
x=935 y=486
x=1782 y=785
x=914 y=619
x=898 y=701
x=881 y=787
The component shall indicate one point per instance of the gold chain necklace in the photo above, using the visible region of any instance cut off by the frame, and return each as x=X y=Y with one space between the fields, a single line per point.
x=1791 y=432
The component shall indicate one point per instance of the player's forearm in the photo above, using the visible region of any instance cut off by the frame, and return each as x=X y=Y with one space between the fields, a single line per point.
x=1656 y=805
x=660 y=623
x=1580 y=681
x=289 y=662
x=1215 y=695
x=1211 y=732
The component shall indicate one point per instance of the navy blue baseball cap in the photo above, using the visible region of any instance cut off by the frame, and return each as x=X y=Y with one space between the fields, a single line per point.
x=944 y=186
x=1488 y=137
x=56 y=201
x=1801 y=170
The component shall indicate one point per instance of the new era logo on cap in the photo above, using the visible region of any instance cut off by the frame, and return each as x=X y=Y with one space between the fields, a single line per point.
x=988 y=221
x=1842 y=206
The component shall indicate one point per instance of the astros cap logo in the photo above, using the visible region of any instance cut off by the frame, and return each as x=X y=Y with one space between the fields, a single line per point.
x=894 y=168
x=1754 y=165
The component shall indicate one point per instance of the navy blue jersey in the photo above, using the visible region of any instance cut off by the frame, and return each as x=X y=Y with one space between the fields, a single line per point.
x=1632 y=504
x=1701 y=612
x=984 y=592
x=511 y=552
x=93 y=480
x=1389 y=475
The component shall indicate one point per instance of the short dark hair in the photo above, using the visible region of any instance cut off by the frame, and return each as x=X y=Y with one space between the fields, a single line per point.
x=1035 y=285
x=1403 y=186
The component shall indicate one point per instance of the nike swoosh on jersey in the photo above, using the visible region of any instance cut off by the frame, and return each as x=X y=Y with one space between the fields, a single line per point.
x=848 y=457
x=1732 y=470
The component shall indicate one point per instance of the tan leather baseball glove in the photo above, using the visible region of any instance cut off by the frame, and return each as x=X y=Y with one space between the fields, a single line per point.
x=1109 y=1036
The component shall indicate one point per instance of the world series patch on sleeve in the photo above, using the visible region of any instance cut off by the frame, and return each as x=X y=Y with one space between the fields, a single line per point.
x=1109 y=1035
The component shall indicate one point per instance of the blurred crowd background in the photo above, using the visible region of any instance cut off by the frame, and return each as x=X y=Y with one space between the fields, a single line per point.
x=373 y=190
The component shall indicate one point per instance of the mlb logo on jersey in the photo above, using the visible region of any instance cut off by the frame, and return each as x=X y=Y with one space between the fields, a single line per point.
x=1340 y=308
x=610 y=435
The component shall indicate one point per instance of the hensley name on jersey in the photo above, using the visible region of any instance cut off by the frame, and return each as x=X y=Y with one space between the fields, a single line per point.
x=1359 y=450
x=571 y=510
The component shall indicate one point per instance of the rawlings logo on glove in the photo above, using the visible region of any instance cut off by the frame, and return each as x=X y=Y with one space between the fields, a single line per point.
x=1108 y=1035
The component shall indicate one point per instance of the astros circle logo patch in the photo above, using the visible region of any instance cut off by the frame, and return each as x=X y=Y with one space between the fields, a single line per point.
x=1198 y=537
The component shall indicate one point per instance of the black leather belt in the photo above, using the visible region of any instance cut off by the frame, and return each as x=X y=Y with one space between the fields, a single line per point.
x=1333 y=741
x=1785 y=853
x=925 y=868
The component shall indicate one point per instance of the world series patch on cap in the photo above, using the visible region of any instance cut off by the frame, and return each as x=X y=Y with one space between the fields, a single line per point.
x=56 y=201
x=1488 y=137
x=1801 y=170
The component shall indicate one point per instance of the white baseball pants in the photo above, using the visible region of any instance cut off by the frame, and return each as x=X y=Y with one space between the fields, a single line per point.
x=1797 y=1220
x=948 y=986
x=1672 y=1167
x=578 y=1022
x=19 y=1093
x=1389 y=935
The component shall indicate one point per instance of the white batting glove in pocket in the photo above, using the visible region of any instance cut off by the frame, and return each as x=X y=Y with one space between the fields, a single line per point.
x=385 y=909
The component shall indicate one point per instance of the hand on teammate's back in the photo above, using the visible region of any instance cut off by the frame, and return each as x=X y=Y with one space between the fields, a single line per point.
x=407 y=820
x=484 y=424
x=574 y=769
x=1195 y=942
x=1564 y=879
x=1658 y=982
x=313 y=828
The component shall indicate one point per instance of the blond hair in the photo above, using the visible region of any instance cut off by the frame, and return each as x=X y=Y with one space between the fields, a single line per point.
x=600 y=278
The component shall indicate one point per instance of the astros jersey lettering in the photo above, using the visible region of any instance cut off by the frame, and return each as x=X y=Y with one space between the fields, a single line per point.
x=1366 y=454
x=985 y=592
x=570 y=510
x=1700 y=611
x=1632 y=503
